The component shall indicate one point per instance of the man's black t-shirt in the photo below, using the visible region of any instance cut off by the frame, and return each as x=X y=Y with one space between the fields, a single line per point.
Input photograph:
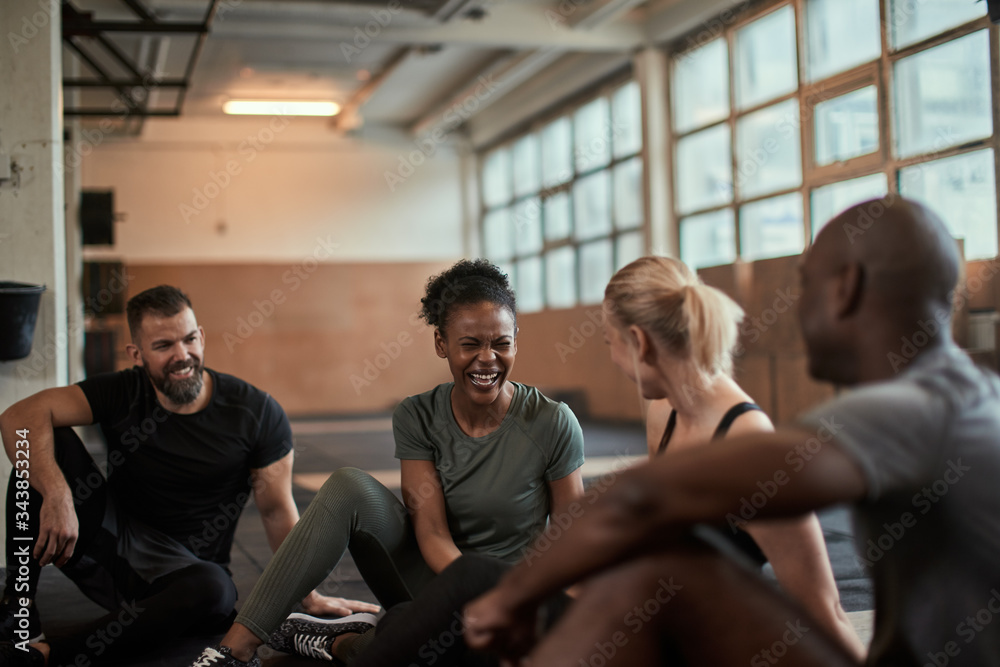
x=186 y=475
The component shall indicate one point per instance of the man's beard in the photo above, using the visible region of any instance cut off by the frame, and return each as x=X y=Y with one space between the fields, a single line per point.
x=180 y=392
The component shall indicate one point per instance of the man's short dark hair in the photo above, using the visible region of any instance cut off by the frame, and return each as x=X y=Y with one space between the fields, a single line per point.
x=164 y=300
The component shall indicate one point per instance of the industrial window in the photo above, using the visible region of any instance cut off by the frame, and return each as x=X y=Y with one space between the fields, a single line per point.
x=562 y=205
x=796 y=109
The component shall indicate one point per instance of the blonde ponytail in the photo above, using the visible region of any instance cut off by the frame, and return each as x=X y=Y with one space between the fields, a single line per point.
x=668 y=300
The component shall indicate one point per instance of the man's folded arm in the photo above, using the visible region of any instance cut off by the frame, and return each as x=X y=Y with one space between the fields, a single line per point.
x=759 y=476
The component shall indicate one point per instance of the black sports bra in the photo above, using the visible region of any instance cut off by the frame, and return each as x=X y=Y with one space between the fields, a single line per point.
x=721 y=429
x=740 y=538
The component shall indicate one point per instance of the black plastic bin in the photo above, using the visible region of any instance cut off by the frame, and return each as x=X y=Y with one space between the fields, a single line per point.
x=18 y=314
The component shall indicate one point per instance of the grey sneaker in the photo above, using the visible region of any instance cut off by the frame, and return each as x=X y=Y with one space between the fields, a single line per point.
x=219 y=656
x=312 y=637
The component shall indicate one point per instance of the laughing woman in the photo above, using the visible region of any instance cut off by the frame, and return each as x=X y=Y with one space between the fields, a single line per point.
x=484 y=461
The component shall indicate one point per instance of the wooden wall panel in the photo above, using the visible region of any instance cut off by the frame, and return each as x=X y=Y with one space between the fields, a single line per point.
x=771 y=325
x=322 y=339
x=345 y=339
x=755 y=374
x=563 y=352
x=795 y=390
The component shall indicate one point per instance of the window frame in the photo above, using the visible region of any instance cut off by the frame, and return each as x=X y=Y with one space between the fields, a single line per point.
x=878 y=72
x=568 y=109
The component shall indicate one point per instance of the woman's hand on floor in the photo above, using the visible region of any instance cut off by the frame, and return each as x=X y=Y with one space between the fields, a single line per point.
x=315 y=604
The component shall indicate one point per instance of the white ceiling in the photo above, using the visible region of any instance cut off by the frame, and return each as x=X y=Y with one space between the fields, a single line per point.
x=421 y=54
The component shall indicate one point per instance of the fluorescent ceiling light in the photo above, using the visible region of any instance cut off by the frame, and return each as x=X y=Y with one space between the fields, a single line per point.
x=281 y=108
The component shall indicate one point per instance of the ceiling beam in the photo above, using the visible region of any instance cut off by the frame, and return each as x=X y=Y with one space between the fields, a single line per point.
x=350 y=115
x=483 y=90
x=507 y=26
x=598 y=12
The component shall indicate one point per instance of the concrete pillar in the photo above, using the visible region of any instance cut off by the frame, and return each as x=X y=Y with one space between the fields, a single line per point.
x=32 y=220
x=651 y=73
x=74 y=261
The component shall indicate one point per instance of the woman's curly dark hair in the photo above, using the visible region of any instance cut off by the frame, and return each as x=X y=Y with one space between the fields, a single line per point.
x=467 y=282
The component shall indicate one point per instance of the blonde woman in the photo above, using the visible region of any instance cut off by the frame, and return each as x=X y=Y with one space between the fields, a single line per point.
x=674 y=337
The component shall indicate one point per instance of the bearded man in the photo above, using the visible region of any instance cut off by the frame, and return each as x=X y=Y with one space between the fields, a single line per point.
x=149 y=542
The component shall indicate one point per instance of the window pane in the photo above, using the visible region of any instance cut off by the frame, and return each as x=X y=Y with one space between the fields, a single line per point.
x=557 y=218
x=913 y=20
x=626 y=107
x=557 y=151
x=847 y=126
x=830 y=200
x=708 y=239
x=768 y=150
x=772 y=228
x=498 y=239
x=526 y=167
x=596 y=269
x=701 y=86
x=592 y=135
x=765 y=58
x=629 y=249
x=528 y=226
x=496 y=178
x=841 y=35
x=628 y=194
x=560 y=277
x=592 y=206
x=529 y=285
x=962 y=190
x=704 y=170
x=942 y=96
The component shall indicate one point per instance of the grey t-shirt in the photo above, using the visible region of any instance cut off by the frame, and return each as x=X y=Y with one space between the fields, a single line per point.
x=495 y=490
x=928 y=442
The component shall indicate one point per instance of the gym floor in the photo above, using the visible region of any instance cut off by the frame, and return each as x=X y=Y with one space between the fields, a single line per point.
x=324 y=446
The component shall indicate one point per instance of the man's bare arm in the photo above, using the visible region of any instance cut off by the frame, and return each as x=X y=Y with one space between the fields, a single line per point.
x=700 y=484
x=39 y=414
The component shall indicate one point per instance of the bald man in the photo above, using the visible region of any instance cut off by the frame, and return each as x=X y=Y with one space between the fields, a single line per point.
x=914 y=447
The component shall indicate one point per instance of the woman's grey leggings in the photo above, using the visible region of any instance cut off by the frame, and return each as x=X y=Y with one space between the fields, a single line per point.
x=352 y=511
